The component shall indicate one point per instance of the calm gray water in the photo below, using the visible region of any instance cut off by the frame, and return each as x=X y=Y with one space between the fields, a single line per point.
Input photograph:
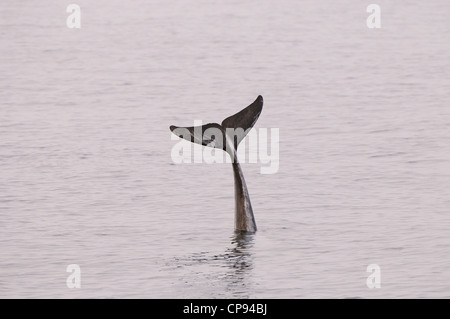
x=86 y=175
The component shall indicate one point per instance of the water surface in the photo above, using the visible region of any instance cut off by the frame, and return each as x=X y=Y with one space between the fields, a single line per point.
x=87 y=177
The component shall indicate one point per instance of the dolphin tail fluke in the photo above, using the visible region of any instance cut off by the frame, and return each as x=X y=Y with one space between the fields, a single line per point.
x=233 y=128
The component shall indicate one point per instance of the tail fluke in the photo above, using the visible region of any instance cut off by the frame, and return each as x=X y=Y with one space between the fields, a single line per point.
x=233 y=128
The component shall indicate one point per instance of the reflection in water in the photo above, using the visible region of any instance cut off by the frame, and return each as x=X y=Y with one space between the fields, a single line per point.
x=227 y=275
x=240 y=264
